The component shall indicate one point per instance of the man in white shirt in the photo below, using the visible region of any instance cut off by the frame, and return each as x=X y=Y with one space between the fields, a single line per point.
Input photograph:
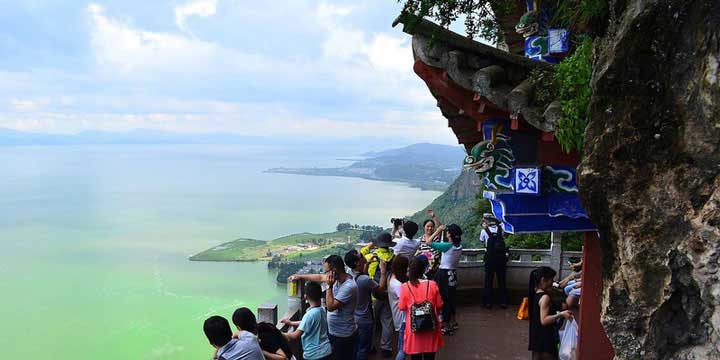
x=496 y=257
x=406 y=245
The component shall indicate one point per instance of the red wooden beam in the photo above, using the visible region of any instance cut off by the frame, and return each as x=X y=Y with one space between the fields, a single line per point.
x=552 y=153
x=442 y=86
x=593 y=342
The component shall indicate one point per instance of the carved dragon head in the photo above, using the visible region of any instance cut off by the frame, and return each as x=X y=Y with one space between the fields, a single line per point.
x=528 y=25
x=492 y=155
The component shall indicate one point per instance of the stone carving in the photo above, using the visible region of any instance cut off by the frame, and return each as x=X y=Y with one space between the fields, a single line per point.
x=493 y=159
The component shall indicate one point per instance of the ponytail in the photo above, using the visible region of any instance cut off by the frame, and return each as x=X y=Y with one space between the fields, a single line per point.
x=536 y=276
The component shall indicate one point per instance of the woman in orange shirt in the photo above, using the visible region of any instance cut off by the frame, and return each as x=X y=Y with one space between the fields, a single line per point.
x=420 y=344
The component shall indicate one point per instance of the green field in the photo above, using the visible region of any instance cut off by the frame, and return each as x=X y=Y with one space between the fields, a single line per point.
x=315 y=246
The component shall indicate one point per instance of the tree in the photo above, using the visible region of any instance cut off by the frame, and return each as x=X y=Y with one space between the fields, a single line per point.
x=343 y=226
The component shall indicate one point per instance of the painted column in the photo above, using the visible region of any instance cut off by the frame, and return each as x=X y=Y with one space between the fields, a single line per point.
x=593 y=343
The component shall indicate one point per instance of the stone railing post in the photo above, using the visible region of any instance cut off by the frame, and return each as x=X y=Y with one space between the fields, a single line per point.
x=268 y=313
x=556 y=253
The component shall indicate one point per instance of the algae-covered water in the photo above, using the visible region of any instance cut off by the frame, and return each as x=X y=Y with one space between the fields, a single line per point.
x=94 y=240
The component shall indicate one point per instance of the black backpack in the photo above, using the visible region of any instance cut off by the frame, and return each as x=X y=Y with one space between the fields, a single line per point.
x=422 y=314
x=496 y=248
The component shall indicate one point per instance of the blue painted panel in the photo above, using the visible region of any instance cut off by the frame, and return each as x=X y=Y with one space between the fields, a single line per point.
x=565 y=205
x=527 y=181
x=546 y=213
x=537 y=223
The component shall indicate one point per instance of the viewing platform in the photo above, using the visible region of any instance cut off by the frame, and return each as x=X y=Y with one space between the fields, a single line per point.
x=483 y=333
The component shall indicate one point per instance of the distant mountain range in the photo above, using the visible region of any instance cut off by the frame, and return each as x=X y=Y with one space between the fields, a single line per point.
x=141 y=136
x=427 y=166
x=9 y=137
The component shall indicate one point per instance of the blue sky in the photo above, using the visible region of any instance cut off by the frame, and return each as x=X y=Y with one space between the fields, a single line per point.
x=305 y=68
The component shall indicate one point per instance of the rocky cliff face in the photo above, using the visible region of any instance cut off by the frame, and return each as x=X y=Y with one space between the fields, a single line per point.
x=650 y=177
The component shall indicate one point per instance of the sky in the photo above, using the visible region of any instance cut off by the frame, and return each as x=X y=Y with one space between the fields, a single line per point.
x=286 y=68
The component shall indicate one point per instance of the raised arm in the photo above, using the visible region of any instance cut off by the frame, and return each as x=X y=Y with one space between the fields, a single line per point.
x=382 y=287
x=440 y=246
x=367 y=249
x=434 y=218
x=394 y=231
x=331 y=303
x=295 y=334
x=437 y=233
x=308 y=277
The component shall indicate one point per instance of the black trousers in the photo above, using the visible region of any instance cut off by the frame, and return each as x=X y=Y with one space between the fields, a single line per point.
x=422 y=356
x=491 y=271
x=444 y=278
x=343 y=347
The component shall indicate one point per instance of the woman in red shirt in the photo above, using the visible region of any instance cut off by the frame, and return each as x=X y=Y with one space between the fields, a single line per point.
x=421 y=345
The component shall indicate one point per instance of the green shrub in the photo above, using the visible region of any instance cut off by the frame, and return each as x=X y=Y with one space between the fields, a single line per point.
x=572 y=77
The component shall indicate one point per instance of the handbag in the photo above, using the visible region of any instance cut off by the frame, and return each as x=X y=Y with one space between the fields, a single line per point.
x=523 y=312
x=422 y=315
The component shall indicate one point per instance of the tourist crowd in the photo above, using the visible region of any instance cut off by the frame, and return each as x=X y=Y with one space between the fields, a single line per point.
x=397 y=284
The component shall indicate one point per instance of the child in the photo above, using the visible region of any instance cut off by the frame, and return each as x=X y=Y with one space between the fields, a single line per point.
x=544 y=339
x=272 y=348
x=313 y=329
x=217 y=330
x=246 y=333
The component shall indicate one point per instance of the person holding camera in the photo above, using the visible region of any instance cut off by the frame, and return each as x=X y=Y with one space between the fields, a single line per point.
x=378 y=251
x=446 y=277
x=496 y=258
x=432 y=232
x=406 y=245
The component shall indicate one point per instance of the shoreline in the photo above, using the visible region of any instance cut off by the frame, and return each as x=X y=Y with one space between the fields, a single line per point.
x=423 y=186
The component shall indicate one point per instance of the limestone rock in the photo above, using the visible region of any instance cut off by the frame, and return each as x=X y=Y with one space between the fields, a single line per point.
x=650 y=178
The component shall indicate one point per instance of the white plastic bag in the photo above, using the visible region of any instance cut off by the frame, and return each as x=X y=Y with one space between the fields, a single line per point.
x=568 y=341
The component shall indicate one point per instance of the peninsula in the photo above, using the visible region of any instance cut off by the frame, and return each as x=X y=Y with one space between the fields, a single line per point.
x=295 y=247
x=425 y=166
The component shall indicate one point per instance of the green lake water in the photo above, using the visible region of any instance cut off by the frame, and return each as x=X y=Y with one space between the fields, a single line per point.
x=94 y=240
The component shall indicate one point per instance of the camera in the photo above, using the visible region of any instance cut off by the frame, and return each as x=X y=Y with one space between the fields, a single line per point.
x=397 y=222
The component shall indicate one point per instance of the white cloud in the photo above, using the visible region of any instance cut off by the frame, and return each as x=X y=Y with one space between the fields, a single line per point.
x=326 y=12
x=202 y=8
x=348 y=81
x=390 y=53
x=120 y=47
x=262 y=118
x=24 y=105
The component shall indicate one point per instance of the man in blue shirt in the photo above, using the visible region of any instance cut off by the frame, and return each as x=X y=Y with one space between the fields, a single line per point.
x=341 y=301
